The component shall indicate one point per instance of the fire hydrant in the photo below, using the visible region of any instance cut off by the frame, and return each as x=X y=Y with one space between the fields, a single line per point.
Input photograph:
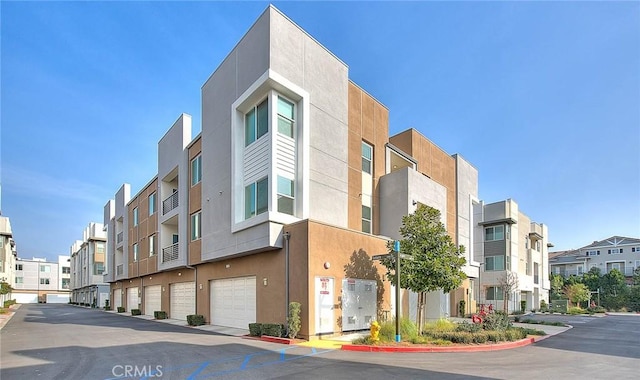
x=375 y=331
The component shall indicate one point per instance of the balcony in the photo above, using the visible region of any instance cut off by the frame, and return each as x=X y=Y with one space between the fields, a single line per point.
x=569 y=272
x=120 y=270
x=170 y=253
x=170 y=203
x=120 y=237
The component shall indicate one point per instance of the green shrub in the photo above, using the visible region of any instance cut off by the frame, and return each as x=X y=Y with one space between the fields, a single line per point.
x=496 y=321
x=255 y=329
x=514 y=334
x=480 y=337
x=136 y=312
x=195 y=319
x=273 y=329
x=494 y=336
x=453 y=336
x=575 y=310
x=160 y=314
x=462 y=307
x=469 y=327
x=294 y=319
x=598 y=309
x=408 y=330
x=528 y=331
x=366 y=340
x=121 y=309
x=8 y=303
x=543 y=306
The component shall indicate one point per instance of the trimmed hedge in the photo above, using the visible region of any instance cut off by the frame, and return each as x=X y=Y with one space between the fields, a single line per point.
x=160 y=314
x=121 y=309
x=195 y=319
x=255 y=329
x=273 y=329
x=8 y=303
x=136 y=312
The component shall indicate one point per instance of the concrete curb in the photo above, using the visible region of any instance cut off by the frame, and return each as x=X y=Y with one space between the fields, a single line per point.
x=410 y=349
x=4 y=318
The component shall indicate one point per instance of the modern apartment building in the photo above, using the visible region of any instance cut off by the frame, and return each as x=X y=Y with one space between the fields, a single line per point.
x=39 y=281
x=290 y=188
x=507 y=240
x=8 y=256
x=617 y=252
x=87 y=267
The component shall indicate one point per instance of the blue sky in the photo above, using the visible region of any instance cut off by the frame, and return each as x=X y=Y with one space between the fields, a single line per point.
x=543 y=98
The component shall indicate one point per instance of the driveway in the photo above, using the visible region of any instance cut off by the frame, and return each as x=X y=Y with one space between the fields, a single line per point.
x=67 y=342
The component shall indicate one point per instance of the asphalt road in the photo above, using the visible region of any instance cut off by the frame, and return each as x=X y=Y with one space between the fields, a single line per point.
x=67 y=342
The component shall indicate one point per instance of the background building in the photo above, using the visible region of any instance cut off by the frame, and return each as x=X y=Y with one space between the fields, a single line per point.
x=87 y=267
x=8 y=256
x=617 y=252
x=38 y=280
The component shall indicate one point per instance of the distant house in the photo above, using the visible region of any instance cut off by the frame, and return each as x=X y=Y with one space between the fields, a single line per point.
x=617 y=252
x=39 y=281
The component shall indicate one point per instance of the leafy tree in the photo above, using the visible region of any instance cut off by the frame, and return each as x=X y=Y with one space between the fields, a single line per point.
x=592 y=279
x=5 y=288
x=557 y=283
x=614 y=290
x=577 y=293
x=508 y=283
x=436 y=261
x=636 y=276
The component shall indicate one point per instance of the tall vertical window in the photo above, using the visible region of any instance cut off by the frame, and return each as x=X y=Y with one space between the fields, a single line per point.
x=196 y=226
x=494 y=293
x=285 y=117
x=366 y=219
x=196 y=170
x=99 y=248
x=492 y=263
x=256 y=198
x=45 y=268
x=152 y=245
x=367 y=156
x=256 y=122
x=286 y=197
x=135 y=252
x=135 y=216
x=98 y=268
x=494 y=233
x=152 y=203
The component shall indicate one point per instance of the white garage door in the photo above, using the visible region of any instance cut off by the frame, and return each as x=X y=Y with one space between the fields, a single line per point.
x=57 y=298
x=152 y=299
x=132 y=298
x=117 y=299
x=233 y=302
x=183 y=300
x=25 y=297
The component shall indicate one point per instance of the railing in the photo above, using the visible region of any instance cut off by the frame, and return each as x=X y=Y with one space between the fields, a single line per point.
x=170 y=253
x=120 y=237
x=567 y=273
x=627 y=271
x=120 y=270
x=170 y=203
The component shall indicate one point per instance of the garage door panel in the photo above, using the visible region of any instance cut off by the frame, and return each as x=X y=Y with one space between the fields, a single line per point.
x=132 y=298
x=233 y=302
x=182 y=299
x=152 y=299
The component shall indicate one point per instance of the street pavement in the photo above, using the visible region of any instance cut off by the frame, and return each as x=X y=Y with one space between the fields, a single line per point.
x=67 y=342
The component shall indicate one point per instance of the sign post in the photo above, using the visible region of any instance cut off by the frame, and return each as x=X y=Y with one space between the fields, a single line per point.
x=398 y=256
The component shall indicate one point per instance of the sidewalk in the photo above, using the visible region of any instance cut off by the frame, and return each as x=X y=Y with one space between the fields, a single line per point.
x=4 y=318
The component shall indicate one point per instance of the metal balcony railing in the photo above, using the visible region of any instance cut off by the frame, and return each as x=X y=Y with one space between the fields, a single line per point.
x=170 y=203
x=170 y=253
x=120 y=237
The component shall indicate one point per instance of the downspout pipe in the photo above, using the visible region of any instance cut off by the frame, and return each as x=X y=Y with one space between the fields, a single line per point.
x=286 y=237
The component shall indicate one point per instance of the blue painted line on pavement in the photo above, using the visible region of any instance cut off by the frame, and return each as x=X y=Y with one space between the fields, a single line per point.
x=197 y=371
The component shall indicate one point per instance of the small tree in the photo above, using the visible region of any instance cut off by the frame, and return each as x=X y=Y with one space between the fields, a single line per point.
x=577 y=293
x=509 y=283
x=437 y=261
x=294 y=319
x=557 y=283
x=5 y=288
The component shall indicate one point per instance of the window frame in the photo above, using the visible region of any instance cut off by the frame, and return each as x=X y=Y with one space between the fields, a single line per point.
x=255 y=208
x=196 y=226
x=369 y=159
x=135 y=252
x=257 y=129
x=491 y=268
x=282 y=195
x=45 y=281
x=20 y=280
x=290 y=119
x=152 y=203
x=496 y=292
x=136 y=218
x=152 y=245
x=196 y=170
x=493 y=233
x=365 y=220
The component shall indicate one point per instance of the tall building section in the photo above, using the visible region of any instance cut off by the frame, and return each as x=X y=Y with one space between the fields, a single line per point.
x=40 y=281
x=87 y=267
x=8 y=255
x=290 y=188
x=508 y=241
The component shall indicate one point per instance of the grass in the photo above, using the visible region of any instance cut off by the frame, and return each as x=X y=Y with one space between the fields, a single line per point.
x=535 y=322
x=3 y=310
